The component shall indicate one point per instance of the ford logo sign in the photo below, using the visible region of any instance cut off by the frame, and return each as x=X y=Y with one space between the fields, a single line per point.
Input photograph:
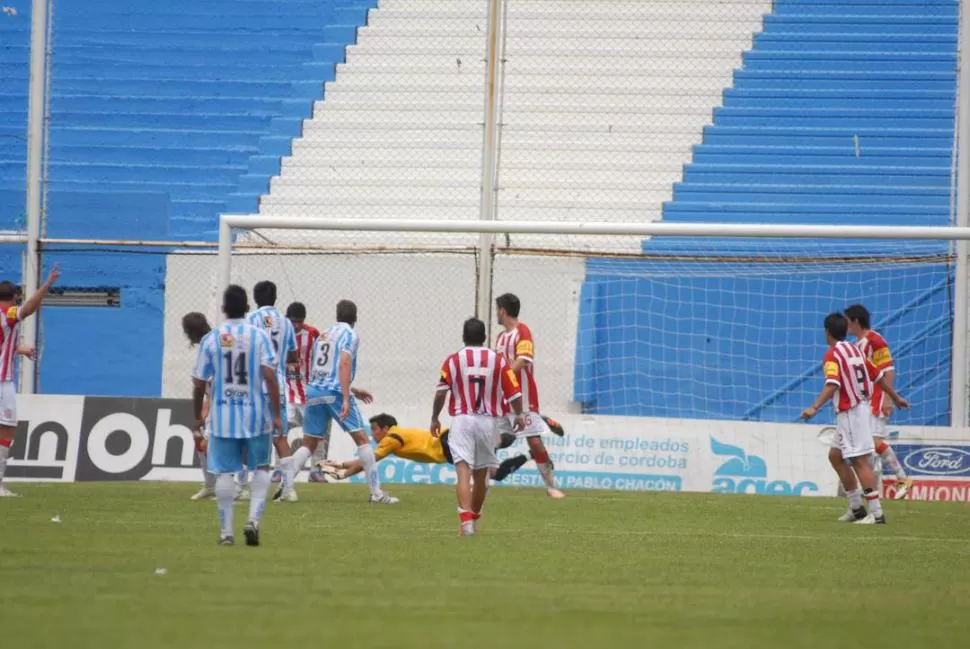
x=939 y=460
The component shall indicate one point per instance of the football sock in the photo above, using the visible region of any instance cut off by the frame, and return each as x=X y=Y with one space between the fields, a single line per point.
x=889 y=459
x=321 y=452
x=855 y=499
x=225 y=494
x=260 y=487
x=545 y=468
x=294 y=465
x=369 y=463
x=872 y=499
x=4 y=454
x=243 y=477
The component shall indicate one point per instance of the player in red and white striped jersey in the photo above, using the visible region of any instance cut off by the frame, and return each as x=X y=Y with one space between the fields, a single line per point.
x=516 y=344
x=10 y=318
x=876 y=349
x=849 y=378
x=296 y=382
x=481 y=388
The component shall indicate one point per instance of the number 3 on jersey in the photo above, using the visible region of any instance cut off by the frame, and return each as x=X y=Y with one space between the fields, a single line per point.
x=235 y=368
x=322 y=366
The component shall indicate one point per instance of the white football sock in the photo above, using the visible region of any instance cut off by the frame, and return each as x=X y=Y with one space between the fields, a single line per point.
x=321 y=452
x=891 y=462
x=296 y=462
x=369 y=463
x=243 y=477
x=4 y=454
x=875 y=506
x=259 y=489
x=855 y=498
x=545 y=470
x=225 y=495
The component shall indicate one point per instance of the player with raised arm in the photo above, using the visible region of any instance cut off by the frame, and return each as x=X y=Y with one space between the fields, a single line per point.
x=10 y=318
x=331 y=396
x=849 y=377
x=516 y=344
x=196 y=327
x=283 y=338
x=296 y=383
x=875 y=348
x=481 y=387
x=237 y=358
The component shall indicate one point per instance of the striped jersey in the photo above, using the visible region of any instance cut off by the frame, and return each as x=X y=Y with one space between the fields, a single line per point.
x=850 y=371
x=480 y=382
x=281 y=335
x=876 y=350
x=296 y=381
x=232 y=356
x=516 y=344
x=9 y=339
x=331 y=344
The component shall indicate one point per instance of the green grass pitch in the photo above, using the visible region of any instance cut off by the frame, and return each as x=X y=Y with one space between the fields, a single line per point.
x=595 y=570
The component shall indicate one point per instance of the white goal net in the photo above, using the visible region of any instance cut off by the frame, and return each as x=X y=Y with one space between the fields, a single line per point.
x=679 y=327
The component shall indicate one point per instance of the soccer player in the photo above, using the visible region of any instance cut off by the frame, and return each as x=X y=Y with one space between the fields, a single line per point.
x=415 y=444
x=238 y=359
x=849 y=377
x=283 y=338
x=196 y=327
x=875 y=348
x=481 y=388
x=10 y=318
x=296 y=381
x=516 y=344
x=330 y=396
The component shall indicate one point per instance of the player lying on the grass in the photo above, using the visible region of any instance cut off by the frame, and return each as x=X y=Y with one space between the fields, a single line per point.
x=481 y=388
x=516 y=344
x=331 y=396
x=283 y=339
x=415 y=444
x=849 y=377
x=296 y=384
x=195 y=326
x=10 y=318
x=237 y=358
x=875 y=348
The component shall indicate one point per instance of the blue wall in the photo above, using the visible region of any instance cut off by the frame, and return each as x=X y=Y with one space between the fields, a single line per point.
x=842 y=113
x=164 y=115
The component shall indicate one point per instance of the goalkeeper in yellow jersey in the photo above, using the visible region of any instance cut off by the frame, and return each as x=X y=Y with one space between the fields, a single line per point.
x=419 y=445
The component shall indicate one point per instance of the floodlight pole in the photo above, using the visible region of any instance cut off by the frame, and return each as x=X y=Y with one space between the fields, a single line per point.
x=33 y=262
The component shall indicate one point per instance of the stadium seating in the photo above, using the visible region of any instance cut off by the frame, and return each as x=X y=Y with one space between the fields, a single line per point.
x=841 y=113
x=183 y=107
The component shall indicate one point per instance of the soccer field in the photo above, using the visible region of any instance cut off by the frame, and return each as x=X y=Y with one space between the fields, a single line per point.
x=598 y=569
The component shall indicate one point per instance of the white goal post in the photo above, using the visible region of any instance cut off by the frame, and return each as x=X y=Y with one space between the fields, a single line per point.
x=693 y=299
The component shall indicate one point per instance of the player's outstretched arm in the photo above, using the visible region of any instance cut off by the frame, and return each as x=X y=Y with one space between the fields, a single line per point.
x=32 y=303
x=827 y=393
x=887 y=386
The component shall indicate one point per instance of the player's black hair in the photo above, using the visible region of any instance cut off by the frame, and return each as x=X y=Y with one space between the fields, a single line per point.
x=8 y=291
x=473 y=333
x=235 y=304
x=382 y=420
x=296 y=311
x=347 y=312
x=858 y=313
x=264 y=293
x=195 y=326
x=837 y=326
x=510 y=303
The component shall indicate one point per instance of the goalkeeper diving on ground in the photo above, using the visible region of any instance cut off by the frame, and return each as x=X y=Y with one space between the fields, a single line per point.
x=419 y=445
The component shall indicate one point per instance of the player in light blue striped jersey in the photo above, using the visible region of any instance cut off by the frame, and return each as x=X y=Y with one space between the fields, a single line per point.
x=330 y=396
x=238 y=359
x=283 y=337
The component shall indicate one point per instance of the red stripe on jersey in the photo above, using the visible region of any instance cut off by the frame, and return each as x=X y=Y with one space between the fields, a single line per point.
x=855 y=375
x=476 y=383
x=8 y=345
x=507 y=343
x=296 y=384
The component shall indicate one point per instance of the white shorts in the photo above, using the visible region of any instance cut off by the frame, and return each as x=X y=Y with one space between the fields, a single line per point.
x=294 y=414
x=535 y=425
x=8 y=404
x=472 y=440
x=880 y=426
x=853 y=432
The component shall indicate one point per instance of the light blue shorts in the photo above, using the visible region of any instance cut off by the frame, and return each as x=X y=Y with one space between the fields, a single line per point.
x=227 y=455
x=322 y=407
